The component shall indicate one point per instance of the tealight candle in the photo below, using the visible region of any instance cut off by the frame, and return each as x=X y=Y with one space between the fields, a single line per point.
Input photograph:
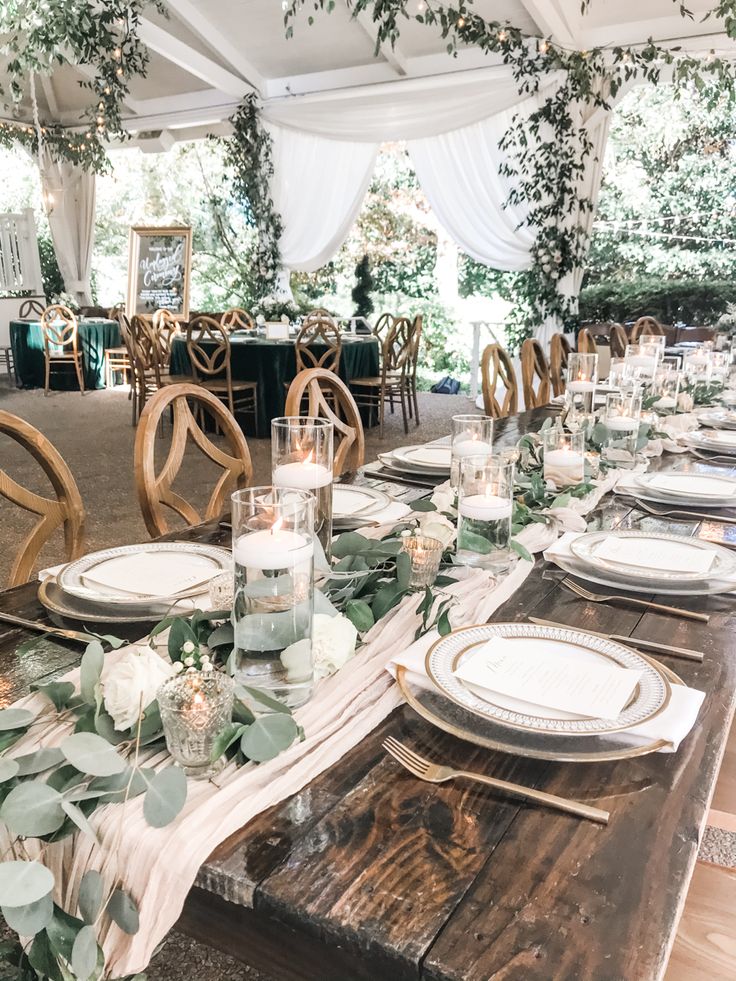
x=274 y=549
x=622 y=424
x=472 y=435
x=564 y=466
x=485 y=507
x=471 y=447
x=666 y=402
x=581 y=386
x=302 y=459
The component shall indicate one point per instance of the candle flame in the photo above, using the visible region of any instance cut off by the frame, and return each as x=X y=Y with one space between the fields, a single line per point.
x=277 y=525
x=309 y=458
x=198 y=698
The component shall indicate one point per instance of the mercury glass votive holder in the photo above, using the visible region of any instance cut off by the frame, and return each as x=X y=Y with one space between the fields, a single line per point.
x=195 y=708
x=472 y=435
x=302 y=457
x=425 y=554
x=622 y=419
x=222 y=591
x=564 y=460
x=582 y=376
x=485 y=508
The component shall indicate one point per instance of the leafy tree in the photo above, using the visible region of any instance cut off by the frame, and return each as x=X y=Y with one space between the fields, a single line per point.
x=361 y=293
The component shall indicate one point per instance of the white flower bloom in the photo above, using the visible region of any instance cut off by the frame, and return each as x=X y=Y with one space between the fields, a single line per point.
x=333 y=643
x=189 y=661
x=685 y=402
x=435 y=525
x=188 y=647
x=443 y=499
x=130 y=683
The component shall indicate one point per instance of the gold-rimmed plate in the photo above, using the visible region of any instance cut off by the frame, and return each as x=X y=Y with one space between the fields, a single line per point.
x=571 y=646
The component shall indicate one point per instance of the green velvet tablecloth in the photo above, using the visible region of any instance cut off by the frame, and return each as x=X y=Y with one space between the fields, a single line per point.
x=272 y=364
x=26 y=340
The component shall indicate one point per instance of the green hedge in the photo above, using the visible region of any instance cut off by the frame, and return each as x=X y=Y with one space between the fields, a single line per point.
x=692 y=301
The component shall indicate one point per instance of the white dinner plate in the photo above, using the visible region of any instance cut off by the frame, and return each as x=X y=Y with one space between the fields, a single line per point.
x=699 y=488
x=431 y=457
x=704 y=587
x=350 y=502
x=712 y=439
x=719 y=419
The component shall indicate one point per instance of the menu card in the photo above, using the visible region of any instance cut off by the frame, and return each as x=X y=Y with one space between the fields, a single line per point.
x=153 y=573
x=656 y=553
x=508 y=667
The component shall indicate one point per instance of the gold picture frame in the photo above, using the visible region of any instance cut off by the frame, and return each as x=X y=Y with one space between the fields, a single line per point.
x=159 y=270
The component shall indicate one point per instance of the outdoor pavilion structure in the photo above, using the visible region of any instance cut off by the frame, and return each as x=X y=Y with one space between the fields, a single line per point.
x=330 y=96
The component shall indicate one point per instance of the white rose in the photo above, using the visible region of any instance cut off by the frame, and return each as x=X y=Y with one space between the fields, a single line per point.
x=685 y=402
x=333 y=643
x=131 y=682
x=443 y=499
x=436 y=525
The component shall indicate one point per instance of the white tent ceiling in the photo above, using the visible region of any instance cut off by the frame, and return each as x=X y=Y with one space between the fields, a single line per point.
x=208 y=54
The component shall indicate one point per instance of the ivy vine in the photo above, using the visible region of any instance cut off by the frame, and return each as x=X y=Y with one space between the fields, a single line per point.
x=547 y=151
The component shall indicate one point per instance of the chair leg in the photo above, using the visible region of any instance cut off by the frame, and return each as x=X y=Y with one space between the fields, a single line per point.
x=80 y=374
x=416 y=403
x=403 y=410
x=381 y=412
x=48 y=376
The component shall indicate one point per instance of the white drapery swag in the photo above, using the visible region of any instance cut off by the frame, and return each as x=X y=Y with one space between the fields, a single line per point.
x=69 y=193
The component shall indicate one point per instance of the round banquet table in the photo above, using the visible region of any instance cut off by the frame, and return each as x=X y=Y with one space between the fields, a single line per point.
x=273 y=364
x=95 y=335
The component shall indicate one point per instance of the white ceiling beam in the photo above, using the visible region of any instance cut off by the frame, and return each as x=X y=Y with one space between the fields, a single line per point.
x=393 y=55
x=191 y=61
x=48 y=90
x=552 y=21
x=193 y=16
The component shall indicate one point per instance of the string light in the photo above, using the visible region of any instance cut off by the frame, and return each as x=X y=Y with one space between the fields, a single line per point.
x=119 y=71
x=117 y=54
x=543 y=46
x=502 y=36
x=461 y=22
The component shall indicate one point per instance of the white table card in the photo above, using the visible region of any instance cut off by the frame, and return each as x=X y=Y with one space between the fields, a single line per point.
x=153 y=573
x=508 y=667
x=646 y=553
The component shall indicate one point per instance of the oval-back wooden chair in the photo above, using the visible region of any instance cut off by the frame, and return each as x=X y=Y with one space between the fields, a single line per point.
x=155 y=490
x=394 y=381
x=559 y=351
x=382 y=324
x=328 y=397
x=495 y=364
x=208 y=345
x=619 y=340
x=61 y=342
x=237 y=319
x=534 y=365
x=586 y=342
x=165 y=327
x=114 y=312
x=31 y=308
x=645 y=326
x=65 y=510
x=320 y=330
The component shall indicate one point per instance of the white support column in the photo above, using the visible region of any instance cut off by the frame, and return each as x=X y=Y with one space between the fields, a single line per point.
x=475 y=359
x=69 y=195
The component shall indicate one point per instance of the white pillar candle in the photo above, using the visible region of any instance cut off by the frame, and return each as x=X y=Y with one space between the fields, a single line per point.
x=580 y=386
x=485 y=507
x=563 y=466
x=622 y=424
x=471 y=447
x=641 y=361
x=700 y=359
x=272 y=549
x=304 y=475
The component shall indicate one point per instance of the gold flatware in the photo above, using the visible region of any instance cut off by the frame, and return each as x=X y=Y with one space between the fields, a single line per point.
x=714 y=458
x=435 y=773
x=645 y=645
x=676 y=611
x=45 y=628
x=695 y=515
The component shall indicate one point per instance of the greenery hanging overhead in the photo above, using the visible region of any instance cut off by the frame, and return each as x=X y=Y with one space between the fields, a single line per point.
x=39 y=35
x=547 y=151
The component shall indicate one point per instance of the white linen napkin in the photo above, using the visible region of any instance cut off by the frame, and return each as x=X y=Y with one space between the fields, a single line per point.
x=349 y=501
x=673 y=723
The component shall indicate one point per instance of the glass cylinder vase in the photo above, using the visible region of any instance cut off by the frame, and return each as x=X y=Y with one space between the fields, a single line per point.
x=622 y=419
x=273 y=608
x=485 y=508
x=195 y=708
x=582 y=376
x=564 y=459
x=302 y=458
x=665 y=389
x=472 y=435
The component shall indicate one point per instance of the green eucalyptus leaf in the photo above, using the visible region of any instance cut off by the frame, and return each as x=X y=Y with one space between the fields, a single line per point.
x=121 y=908
x=78 y=817
x=267 y=737
x=179 y=633
x=23 y=883
x=84 y=953
x=30 y=919
x=520 y=550
x=14 y=718
x=91 y=894
x=241 y=713
x=62 y=932
x=8 y=769
x=349 y=543
x=423 y=504
x=403 y=569
x=224 y=634
x=9 y=738
x=86 y=720
x=59 y=692
x=42 y=759
x=32 y=809
x=104 y=725
x=386 y=598
x=165 y=796
x=113 y=789
x=41 y=958
x=65 y=777
x=224 y=740
x=472 y=542
x=263 y=698
x=92 y=754
x=443 y=624
x=359 y=614
x=93 y=661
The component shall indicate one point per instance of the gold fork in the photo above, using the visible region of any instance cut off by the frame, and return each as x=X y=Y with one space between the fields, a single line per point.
x=434 y=773
x=634 y=601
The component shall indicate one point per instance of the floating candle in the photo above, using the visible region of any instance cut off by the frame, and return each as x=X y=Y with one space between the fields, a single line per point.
x=622 y=424
x=272 y=549
x=304 y=475
x=581 y=386
x=485 y=507
x=563 y=467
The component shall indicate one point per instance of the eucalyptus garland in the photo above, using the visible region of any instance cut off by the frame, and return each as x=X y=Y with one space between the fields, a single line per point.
x=39 y=35
x=249 y=155
x=547 y=151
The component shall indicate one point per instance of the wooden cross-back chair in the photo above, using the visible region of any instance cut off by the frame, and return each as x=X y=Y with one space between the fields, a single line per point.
x=416 y=337
x=155 y=490
x=320 y=330
x=237 y=319
x=114 y=312
x=534 y=366
x=559 y=352
x=31 y=308
x=165 y=327
x=645 y=326
x=619 y=340
x=586 y=342
x=328 y=397
x=382 y=324
x=495 y=364
x=208 y=345
x=65 y=511
x=394 y=382
x=61 y=343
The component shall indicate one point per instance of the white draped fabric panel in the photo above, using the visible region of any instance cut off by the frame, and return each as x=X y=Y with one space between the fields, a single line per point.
x=70 y=194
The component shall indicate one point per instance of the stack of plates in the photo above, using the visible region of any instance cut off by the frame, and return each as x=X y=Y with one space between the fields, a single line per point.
x=356 y=506
x=712 y=441
x=719 y=419
x=695 y=490
x=431 y=460
x=651 y=562
x=135 y=583
x=500 y=722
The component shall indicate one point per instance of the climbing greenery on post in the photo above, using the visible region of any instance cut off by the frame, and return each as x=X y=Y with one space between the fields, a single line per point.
x=248 y=154
x=361 y=292
x=38 y=35
x=547 y=151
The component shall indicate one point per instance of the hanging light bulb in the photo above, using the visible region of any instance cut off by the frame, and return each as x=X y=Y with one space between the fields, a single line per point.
x=543 y=46
x=461 y=22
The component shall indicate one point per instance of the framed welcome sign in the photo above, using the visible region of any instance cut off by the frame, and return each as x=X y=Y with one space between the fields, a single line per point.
x=159 y=265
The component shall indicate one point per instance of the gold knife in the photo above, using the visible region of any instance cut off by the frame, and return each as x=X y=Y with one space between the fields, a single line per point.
x=45 y=628
x=645 y=645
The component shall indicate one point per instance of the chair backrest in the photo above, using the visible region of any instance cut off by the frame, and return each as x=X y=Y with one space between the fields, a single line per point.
x=645 y=326
x=30 y=308
x=495 y=363
x=165 y=327
x=59 y=326
x=237 y=319
x=382 y=324
x=319 y=313
x=155 y=490
x=416 y=337
x=696 y=334
x=586 y=344
x=534 y=365
x=114 y=312
x=330 y=398
x=323 y=331
x=215 y=358
x=619 y=340
x=397 y=347
x=66 y=510
x=559 y=351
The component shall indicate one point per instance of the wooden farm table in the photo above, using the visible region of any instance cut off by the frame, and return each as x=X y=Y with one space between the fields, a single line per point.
x=368 y=873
